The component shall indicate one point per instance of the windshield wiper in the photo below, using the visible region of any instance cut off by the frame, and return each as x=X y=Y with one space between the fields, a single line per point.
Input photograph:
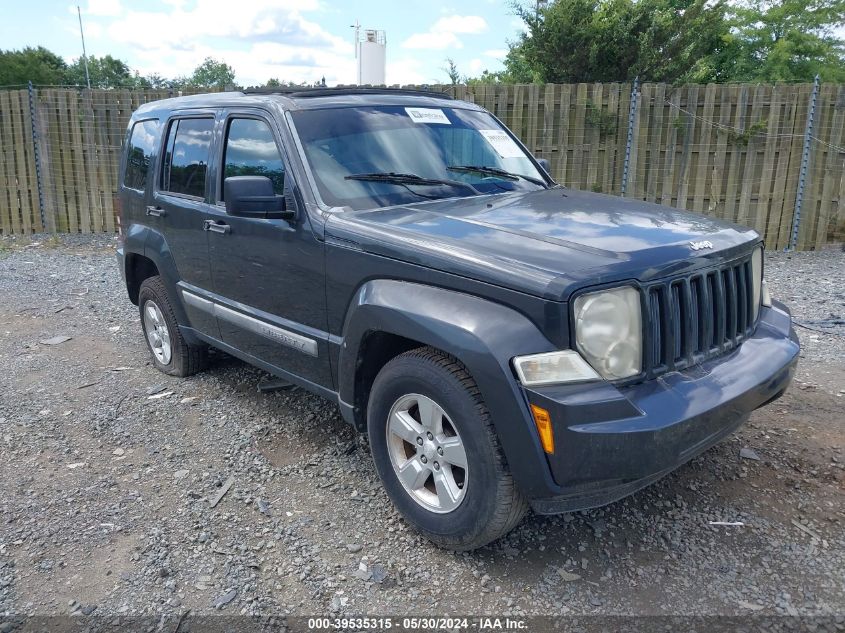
x=495 y=171
x=409 y=179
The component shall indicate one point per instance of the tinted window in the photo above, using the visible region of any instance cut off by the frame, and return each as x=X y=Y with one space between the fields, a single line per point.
x=140 y=153
x=251 y=151
x=186 y=157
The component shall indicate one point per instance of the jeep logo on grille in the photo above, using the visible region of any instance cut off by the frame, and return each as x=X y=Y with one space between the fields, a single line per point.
x=697 y=246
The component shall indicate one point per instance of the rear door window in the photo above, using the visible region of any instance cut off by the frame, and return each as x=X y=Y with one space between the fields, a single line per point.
x=186 y=157
x=139 y=154
x=251 y=150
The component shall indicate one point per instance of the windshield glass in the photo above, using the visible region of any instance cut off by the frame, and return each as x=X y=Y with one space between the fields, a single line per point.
x=368 y=157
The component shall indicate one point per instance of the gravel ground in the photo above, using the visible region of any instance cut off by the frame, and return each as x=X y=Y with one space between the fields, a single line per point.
x=109 y=468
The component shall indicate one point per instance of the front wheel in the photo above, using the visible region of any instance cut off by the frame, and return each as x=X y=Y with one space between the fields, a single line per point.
x=437 y=453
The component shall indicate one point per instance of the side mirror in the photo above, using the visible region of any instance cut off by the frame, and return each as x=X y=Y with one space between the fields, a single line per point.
x=253 y=196
x=544 y=163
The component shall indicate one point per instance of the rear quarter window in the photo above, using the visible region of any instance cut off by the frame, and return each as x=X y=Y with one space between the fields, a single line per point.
x=139 y=154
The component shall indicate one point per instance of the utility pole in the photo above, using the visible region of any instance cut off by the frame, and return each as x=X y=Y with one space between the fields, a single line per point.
x=84 y=54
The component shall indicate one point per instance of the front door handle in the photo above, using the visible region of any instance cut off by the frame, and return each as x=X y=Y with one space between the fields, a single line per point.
x=216 y=227
x=157 y=212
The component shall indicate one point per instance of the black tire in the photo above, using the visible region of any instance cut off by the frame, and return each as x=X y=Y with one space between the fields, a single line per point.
x=491 y=505
x=184 y=359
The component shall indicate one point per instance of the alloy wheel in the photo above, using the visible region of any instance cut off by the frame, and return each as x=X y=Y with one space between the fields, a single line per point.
x=427 y=453
x=157 y=332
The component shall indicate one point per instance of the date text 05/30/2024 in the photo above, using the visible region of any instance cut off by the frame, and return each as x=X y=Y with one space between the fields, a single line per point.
x=417 y=624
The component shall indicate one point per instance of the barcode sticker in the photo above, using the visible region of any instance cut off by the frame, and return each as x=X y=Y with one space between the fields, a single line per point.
x=502 y=143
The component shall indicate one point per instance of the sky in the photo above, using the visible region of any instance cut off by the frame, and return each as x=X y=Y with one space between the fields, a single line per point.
x=291 y=40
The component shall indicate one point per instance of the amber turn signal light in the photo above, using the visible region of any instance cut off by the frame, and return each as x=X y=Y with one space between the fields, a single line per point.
x=544 y=427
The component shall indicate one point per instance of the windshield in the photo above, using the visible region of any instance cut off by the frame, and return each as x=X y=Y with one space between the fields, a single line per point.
x=368 y=157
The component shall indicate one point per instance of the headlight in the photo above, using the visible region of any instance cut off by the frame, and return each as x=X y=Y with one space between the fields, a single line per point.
x=608 y=331
x=757 y=281
x=553 y=368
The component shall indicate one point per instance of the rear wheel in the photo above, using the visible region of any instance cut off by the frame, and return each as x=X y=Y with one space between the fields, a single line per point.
x=171 y=353
x=437 y=453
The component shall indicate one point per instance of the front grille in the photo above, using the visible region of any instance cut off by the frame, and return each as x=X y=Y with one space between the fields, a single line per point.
x=697 y=317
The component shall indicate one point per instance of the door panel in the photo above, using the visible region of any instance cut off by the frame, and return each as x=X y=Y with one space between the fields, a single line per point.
x=268 y=273
x=179 y=208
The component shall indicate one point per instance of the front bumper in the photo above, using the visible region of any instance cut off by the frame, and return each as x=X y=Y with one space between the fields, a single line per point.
x=610 y=442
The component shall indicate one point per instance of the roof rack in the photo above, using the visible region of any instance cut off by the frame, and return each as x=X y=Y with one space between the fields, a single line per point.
x=305 y=92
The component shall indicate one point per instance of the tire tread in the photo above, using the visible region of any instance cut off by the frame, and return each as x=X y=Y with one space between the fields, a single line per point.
x=510 y=505
x=187 y=359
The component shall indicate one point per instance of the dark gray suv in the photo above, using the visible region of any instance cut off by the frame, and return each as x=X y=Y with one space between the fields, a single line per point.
x=504 y=341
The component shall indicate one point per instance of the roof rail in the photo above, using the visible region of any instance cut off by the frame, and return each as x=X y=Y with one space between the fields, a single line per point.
x=305 y=92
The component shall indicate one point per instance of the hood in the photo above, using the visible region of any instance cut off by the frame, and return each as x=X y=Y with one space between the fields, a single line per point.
x=546 y=242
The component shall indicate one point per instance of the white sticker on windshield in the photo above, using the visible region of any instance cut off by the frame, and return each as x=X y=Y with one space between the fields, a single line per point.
x=427 y=115
x=502 y=143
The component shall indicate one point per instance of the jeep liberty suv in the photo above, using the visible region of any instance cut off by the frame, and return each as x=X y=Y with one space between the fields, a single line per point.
x=505 y=342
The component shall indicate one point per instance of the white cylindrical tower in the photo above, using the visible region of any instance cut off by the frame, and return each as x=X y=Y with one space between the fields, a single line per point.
x=371 y=51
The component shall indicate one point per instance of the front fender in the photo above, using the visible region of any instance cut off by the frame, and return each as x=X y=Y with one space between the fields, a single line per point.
x=482 y=334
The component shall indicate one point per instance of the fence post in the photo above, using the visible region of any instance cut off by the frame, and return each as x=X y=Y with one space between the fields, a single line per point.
x=805 y=163
x=632 y=113
x=36 y=154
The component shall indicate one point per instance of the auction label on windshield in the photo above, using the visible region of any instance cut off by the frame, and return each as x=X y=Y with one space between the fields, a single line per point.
x=502 y=143
x=428 y=115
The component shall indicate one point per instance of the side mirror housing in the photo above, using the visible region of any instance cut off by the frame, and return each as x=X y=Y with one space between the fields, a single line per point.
x=544 y=163
x=253 y=196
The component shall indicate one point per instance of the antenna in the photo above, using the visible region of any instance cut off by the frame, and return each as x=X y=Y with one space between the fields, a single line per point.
x=357 y=27
x=84 y=55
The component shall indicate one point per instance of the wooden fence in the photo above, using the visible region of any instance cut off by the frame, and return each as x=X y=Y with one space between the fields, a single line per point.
x=735 y=151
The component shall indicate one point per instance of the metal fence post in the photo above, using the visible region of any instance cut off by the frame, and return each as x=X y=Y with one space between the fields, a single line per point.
x=632 y=113
x=33 y=119
x=805 y=164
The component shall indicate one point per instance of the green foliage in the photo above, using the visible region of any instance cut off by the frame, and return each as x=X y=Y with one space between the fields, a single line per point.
x=212 y=74
x=788 y=40
x=741 y=138
x=37 y=65
x=44 y=68
x=570 y=41
x=605 y=122
x=105 y=72
x=451 y=70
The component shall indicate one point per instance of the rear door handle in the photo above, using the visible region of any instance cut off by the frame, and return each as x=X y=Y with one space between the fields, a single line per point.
x=156 y=211
x=216 y=227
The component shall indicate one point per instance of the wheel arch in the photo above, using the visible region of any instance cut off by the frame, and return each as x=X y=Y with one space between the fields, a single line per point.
x=147 y=253
x=388 y=317
x=138 y=269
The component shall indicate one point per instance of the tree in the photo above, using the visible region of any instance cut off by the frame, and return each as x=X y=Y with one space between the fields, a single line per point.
x=615 y=40
x=38 y=65
x=677 y=40
x=787 y=40
x=212 y=74
x=105 y=72
x=451 y=70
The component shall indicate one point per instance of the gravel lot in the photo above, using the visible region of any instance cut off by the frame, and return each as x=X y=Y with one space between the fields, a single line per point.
x=108 y=470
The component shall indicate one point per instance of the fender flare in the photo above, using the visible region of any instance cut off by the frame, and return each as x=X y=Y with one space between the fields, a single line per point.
x=482 y=334
x=149 y=243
